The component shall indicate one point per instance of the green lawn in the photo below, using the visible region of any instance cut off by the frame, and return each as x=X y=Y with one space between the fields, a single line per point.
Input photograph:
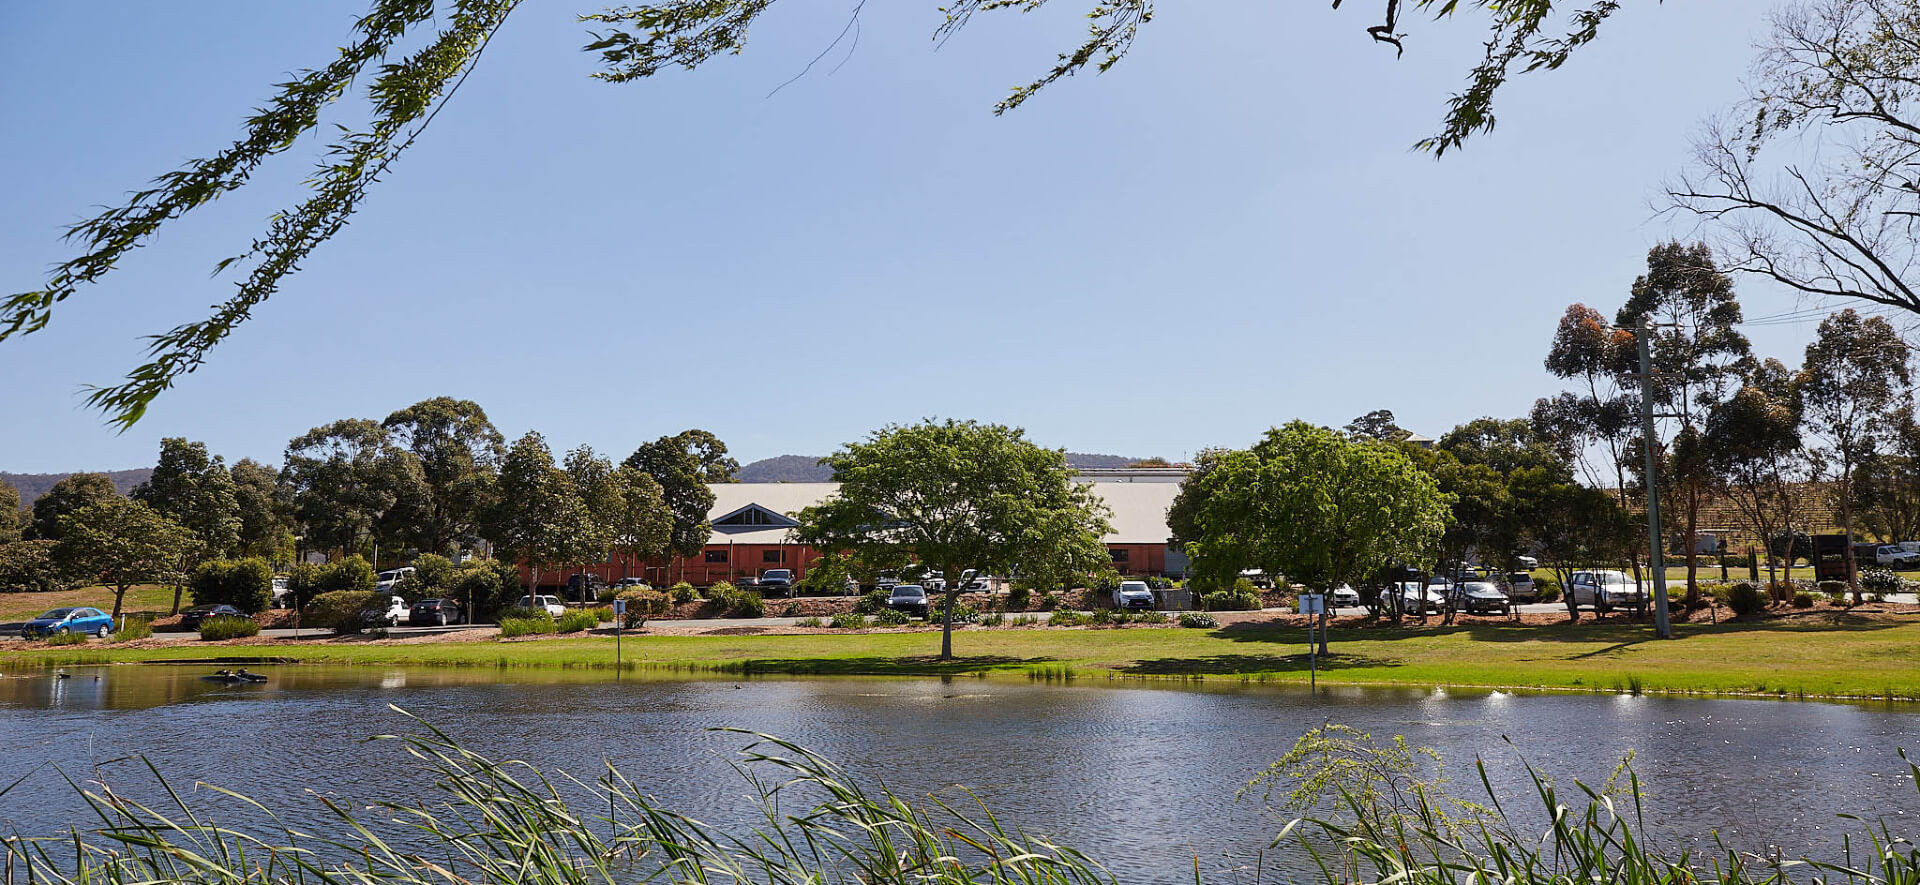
x=144 y=598
x=1826 y=655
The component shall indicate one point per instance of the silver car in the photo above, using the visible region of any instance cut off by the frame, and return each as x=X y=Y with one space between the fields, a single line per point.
x=1415 y=597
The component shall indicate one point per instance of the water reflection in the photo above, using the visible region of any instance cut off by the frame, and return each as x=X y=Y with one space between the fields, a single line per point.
x=1140 y=775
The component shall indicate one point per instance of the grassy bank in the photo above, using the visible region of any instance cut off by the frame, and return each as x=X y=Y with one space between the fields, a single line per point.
x=149 y=598
x=1824 y=656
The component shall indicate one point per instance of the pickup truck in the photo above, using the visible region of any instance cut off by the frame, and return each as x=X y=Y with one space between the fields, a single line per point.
x=1894 y=556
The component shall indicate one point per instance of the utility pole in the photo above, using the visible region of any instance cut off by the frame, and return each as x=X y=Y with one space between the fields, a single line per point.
x=1655 y=560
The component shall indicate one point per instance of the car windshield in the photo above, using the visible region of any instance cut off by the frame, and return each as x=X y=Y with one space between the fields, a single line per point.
x=57 y=614
x=1520 y=577
x=1133 y=586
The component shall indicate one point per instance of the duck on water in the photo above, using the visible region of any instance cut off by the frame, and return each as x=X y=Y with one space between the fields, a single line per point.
x=234 y=677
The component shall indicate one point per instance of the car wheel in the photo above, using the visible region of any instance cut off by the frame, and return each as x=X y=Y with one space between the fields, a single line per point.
x=103 y=632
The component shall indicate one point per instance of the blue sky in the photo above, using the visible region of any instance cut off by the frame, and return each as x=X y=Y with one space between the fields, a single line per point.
x=1225 y=232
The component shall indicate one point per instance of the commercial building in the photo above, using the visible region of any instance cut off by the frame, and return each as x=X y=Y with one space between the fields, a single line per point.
x=753 y=525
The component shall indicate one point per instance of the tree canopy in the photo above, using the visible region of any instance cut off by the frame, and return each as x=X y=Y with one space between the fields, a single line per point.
x=71 y=493
x=684 y=465
x=957 y=495
x=195 y=490
x=121 y=542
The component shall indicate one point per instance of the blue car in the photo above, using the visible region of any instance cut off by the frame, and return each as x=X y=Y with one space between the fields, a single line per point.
x=70 y=620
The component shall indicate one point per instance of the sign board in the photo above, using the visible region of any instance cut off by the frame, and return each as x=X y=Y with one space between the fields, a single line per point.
x=1313 y=604
x=619 y=606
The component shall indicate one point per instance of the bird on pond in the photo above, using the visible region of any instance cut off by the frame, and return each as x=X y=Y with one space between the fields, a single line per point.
x=62 y=674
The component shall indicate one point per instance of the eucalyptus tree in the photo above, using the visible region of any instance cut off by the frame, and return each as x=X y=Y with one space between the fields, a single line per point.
x=265 y=513
x=412 y=55
x=598 y=489
x=1856 y=374
x=10 y=516
x=1886 y=485
x=458 y=451
x=643 y=523
x=344 y=479
x=1699 y=357
x=538 y=518
x=1596 y=356
x=69 y=493
x=1751 y=441
x=684 y=465
x=958 y=495
x=195 y=490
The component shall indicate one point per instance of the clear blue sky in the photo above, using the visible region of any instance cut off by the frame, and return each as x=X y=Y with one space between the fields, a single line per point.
x=1225 y=232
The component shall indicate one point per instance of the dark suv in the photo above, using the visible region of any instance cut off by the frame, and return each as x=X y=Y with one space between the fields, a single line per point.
x=776 y=582
x=434 y=613
x=192 y=618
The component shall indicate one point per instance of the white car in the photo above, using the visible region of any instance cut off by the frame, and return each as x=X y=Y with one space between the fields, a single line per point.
x=396 y=611
x=1133 y=594
x=1345 y=597
x=1604 y=590
x=550 y=603
x=1415 y=597
x=393 y=576
x=1895 y=556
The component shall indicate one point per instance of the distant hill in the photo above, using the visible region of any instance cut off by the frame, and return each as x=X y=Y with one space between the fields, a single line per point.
x=33 y=485
x=786 y=468
x=807 y=468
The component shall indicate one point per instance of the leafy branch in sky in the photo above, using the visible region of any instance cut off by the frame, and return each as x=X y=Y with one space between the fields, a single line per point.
x=635 y=41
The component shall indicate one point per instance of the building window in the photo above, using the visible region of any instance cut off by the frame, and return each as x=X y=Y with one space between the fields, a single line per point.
x=716 y=556
x=1119 y=554
x=773 y=556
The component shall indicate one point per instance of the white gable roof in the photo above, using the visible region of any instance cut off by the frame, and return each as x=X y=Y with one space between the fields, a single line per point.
x=1139 y=508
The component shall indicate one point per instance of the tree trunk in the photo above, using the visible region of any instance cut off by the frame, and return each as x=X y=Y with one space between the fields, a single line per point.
x=120 y=596
x=946 y=626
x=1566 y=593
x=177 y=590
x=1693 y=568
x=1326 y=602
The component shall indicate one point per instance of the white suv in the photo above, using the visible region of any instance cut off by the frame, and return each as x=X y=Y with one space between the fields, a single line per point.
x=1604 y=590
x=550 y=603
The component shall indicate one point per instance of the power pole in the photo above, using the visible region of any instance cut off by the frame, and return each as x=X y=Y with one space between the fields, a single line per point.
x=1655 y=558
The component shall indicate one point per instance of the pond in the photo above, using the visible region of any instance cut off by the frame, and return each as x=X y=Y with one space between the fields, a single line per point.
x=1141 y=776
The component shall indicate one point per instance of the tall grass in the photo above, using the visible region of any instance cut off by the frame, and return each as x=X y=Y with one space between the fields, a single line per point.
x=228 y=627
x=506 y=822
x=133 y=628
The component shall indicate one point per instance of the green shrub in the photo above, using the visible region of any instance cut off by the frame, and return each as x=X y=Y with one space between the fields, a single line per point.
x=791 y=610
x=66 y=637
x=602 y=614
x=1549 y=589
x=30 y=567
x=682 y=592
x=133 y=628
x=1879 y=580
x=1105 y=581
x=228 y=627
x=576 y=621
x=433 y=576
x=1159 y=583
x=722 y=590
x=1024 y=621
x=1745 y=599
x=890 y=618
x=873 y=603
x=530 y=624
x=1835 y=591
x=1235 y=600
x=1153 y=617
x=1019 y=597
x=993 y=619
x=1199 y=620
x=1067 y=617
x=809 y=622
x=1803 y=599
x=347 y=575
x=747 y=605
x=1050 y=600
x=339 y=609
x=245 y=584
x=484 y=585
x=850 y=621
x=643 y=604
x=962 y=613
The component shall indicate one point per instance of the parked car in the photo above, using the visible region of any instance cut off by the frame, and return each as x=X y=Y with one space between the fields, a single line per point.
x=1480 y=598
x=1258 y=577
x=978 y=584
x=391 y=616
x=1895 y=556
x=1415 y=597
x=392 y=576
x=776 y=582
x=192 y=618
x=631 y=584
x=909 y=598
x=1520 y=588
x=550 y=603
x=583 y=587
x=885 y=581
x=435 y=613
x=281 y=592
x=1604 y=590
x=1133 y=594
x=1345 y=597
x=1526 y=562
x=70 y=620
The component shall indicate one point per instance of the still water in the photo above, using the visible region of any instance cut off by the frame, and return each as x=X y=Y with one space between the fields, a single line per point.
x=1142 y=777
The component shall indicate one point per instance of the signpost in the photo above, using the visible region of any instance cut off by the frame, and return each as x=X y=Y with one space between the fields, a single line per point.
x=619 y=621
x=1313 y=605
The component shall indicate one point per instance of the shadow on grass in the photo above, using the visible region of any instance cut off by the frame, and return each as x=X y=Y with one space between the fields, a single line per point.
x=918 y=665
x=1620 y=634
x=1242 y=665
